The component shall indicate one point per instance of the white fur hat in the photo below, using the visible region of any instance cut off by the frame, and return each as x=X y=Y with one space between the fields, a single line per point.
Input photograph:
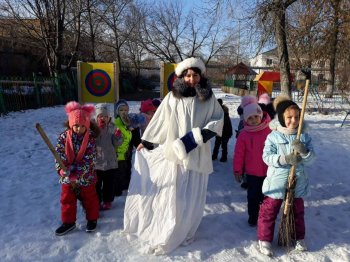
x=189 y=63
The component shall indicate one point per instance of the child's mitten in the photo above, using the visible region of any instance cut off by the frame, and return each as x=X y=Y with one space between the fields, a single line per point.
x=290 y=159
x=70 y=169
x=299 y=147
x=118 y=133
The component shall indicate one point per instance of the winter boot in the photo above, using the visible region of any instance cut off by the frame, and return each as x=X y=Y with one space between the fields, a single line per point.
x=106 y=206
x=64 y=229
x=91 y=226
x=265 y=248
x=252 y=221
x=223 y=158
x=300 y=245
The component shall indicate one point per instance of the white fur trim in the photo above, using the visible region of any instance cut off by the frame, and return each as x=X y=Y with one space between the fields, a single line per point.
x=179 y=149
x=188 y=63
x=197 y=135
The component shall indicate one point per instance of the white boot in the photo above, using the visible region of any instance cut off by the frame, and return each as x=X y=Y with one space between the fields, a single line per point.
x=265 y=248
x=300 y=245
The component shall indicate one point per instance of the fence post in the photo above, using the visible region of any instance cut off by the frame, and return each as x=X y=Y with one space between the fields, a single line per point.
x=37 y=89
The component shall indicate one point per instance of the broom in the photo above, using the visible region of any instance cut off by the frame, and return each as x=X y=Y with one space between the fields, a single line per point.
x=286 y=234
x=43 y=135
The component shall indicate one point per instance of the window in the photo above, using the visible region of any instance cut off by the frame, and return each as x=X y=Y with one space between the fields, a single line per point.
x=268 y=61
x=320 y=77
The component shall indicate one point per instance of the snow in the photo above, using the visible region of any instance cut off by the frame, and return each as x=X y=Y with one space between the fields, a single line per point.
x=30 y=207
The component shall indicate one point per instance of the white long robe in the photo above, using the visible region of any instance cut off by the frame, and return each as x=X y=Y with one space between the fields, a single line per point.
x=166 y=196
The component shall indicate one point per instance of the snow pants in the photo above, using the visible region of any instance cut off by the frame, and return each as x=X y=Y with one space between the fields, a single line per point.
x=123 y=176
x=89 y=201
x=254 y=196
x=105 y=185
x=269 y=210
x=219 y=141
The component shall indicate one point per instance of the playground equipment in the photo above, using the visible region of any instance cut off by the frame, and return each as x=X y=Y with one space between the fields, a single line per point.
x=239 y=80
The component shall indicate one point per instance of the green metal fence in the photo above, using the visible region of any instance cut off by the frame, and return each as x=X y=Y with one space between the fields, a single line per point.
x=18 y=93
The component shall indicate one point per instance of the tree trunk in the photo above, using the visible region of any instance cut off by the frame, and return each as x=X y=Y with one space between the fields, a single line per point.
x=333 y=49
x=279 y=20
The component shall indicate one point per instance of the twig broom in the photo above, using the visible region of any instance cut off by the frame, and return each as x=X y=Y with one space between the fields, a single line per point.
x=286 y=234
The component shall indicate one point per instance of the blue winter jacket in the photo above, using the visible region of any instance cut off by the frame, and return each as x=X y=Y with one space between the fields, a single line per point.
x=277 y=144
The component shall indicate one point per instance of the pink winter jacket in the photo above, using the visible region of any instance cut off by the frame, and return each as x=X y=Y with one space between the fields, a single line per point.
x=248 y=151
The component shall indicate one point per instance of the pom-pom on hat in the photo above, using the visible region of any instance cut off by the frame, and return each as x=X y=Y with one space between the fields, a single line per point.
x=191 y=62
x=79 y=114
x=101 y=109
x=264 y=99
x=147 y=106
x=250 y=107
x=281 y=103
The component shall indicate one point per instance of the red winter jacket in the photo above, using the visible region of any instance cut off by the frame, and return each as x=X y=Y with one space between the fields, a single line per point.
x=248 y=151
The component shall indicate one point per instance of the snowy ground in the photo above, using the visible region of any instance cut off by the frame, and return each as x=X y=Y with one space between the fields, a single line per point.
x=30 y=208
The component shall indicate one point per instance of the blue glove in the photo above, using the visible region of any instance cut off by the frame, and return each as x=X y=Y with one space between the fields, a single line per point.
x=182 y=146
x=137 y=120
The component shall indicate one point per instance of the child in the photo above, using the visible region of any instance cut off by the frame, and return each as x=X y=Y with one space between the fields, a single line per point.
x=278 y=155
x=248 y=154
x=147 y=109
x=266 y=105
x=106 y=160
x=226 y=135
x=76 y=147
x=140 y=121
x=124 y=151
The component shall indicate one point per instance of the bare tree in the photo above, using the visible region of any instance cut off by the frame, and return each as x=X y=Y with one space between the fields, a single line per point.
x=172 y=33
x=120 y=21
x=43 y=20
x=275 y=11
x=321 y=35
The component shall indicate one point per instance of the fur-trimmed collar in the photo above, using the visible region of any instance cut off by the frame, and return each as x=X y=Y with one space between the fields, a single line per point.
x=180 y=89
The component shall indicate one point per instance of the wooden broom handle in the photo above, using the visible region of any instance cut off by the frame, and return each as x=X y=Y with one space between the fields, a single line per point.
x=48 y=143
x=300 y=127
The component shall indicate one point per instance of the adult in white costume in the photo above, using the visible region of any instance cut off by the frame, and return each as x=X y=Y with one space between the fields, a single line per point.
x=167 y=192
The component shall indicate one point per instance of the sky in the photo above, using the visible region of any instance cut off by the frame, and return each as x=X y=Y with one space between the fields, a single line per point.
x=30 y=207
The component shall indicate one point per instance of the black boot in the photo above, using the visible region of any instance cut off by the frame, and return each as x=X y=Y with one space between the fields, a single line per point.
x=64 y=229
x=91 y=226
x=223 y=159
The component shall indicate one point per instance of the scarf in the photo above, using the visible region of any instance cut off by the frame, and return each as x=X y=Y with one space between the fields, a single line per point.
x=275 y=125
x=71 y=158
x=264 y=123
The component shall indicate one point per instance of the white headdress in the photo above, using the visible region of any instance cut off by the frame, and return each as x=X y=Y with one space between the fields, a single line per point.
x=189 y=63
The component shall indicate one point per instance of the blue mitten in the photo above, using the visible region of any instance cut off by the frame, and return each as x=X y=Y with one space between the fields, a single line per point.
x=137 y=120
x=182 y=146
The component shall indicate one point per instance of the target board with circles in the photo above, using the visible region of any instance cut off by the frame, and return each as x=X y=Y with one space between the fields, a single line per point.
x=97 y=82
x=168 y=78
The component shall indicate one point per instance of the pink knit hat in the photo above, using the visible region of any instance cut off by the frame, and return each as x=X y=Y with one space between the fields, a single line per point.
x=250 y=107
x=79 y=114
x=147 y=106
x=264 y=99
